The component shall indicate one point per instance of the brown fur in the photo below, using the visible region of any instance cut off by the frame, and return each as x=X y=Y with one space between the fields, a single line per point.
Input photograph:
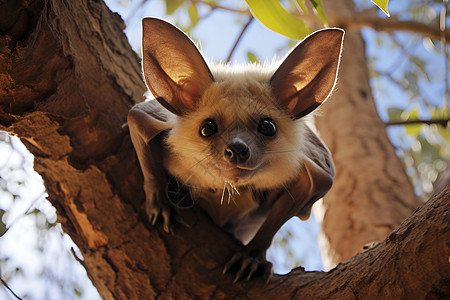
x=266 y=176
x=237 y=100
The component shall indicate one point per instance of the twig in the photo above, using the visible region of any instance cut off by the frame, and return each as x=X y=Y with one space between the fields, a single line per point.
x=406 y=53
x=388 y=25
x=239 y=38
x=25 y=213
x=443 y=122
x=9 y=289
x=360 y=20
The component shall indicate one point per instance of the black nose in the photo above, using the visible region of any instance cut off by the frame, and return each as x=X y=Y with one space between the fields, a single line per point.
x=237 y=152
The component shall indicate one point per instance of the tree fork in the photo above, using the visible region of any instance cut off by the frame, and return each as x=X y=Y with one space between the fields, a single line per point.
x=67 y=83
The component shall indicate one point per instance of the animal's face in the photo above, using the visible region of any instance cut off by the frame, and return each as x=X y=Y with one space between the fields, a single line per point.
x=236 y=134
x=231 y=126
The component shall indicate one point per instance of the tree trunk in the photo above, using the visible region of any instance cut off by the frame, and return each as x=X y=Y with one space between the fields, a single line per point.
x=371 y=195
x=68 y=78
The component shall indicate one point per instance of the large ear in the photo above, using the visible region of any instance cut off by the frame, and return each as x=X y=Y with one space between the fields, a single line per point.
x=174 y=70
x=307 y=76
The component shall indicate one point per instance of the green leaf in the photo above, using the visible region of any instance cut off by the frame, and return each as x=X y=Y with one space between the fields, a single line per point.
x=172 y=6
x=252 y=57
x=193 y=14
x=412 y=114
x=439 y=112
x=382 y=4
x=77 y=292
x=302 y=6
x=276 y=18
x=412 y=129
x=318 y=9
x=394 y=113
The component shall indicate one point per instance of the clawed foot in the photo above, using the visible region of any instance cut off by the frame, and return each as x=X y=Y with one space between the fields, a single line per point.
x=157 y=205
x=248 y=266
x=154 y=208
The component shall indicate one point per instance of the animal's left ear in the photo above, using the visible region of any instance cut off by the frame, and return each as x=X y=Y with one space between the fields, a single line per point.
x=307 y=76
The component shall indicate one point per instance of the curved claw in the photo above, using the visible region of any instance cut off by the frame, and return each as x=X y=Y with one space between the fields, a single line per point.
x=268 y=274
x=246 y=261
x=231 y=262
x=248 y=265
x=154 y=208
x=165 y=213
x=253 y=268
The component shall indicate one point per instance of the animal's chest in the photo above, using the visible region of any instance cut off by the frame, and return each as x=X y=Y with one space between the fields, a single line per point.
x=239 y=212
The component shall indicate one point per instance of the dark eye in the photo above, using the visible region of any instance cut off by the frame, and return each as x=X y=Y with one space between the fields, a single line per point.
x=208 y=128
x=267 y=127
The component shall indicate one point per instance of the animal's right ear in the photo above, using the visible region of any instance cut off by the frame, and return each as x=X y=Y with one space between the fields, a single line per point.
x=174 y=70
x=307 y=76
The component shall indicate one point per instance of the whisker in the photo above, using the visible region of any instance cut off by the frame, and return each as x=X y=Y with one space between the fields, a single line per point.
x=223 y=192
x=231 y=190
x=234 y=191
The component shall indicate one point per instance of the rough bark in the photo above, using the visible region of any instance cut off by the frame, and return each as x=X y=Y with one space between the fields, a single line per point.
x=372 y=194
x=68 y=78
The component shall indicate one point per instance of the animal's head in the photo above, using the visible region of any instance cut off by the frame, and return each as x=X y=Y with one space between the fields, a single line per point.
x=241 y=125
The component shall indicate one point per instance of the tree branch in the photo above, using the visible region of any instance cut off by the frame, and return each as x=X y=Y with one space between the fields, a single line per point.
x=443 y=122
x=9 y=289
x=239 y=38
x=388 y=25
x=363 y=19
